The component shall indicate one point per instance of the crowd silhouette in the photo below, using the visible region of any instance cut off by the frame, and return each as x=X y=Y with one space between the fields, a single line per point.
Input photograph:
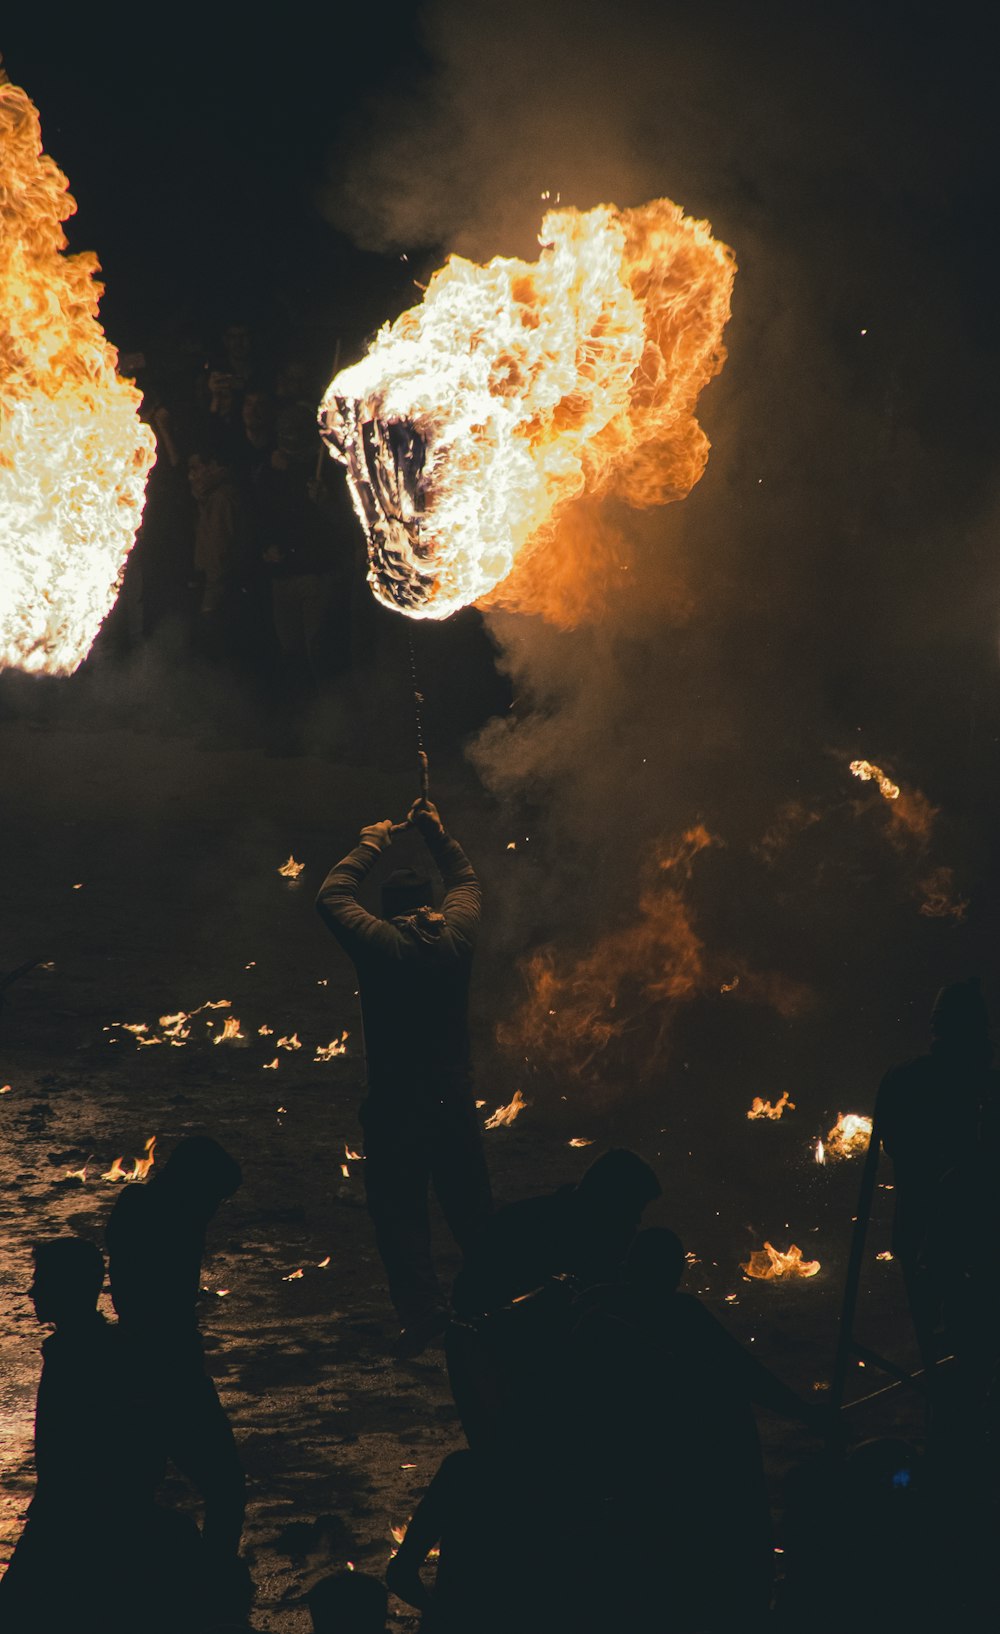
x=612 y=1475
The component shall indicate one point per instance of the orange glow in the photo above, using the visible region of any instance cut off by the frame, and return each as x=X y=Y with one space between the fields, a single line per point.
x=572 y=1017
x=291 y=869
x=336 y=1047
x=873 y=774
x=140 y=1165
x=74 y=455
x=765 y=1109
x=505 y=1115
x=849 y=1136
x=768 y=1264
x=291 y=1043
x=517 y=387
x=230 y=1033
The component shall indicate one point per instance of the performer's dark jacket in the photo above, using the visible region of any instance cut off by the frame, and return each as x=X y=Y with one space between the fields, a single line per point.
x=413 y=979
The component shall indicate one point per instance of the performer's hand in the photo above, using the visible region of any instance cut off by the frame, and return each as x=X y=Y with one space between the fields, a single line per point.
x=424 y=816
x=378 y=834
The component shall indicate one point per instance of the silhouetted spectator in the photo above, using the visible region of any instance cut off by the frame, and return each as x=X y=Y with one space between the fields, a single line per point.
x=862 y=1548
x=300 y=547
x=582 y=1230
x=223 y=553
x=92 y=1522
x=258 y=430
x=419 y=1118
x=501 y=1349
x=930 y=1114
x=483 y=1529
x=348 y=1603
x=672 y=1450
x=156 y=1240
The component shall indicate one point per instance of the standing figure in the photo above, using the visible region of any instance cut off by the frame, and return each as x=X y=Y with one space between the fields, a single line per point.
x=930 y=1115
x=91 y=1523
x=419 y=1117
x=156 y=1240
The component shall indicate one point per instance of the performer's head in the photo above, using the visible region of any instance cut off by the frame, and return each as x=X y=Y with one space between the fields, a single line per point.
x=404 y=892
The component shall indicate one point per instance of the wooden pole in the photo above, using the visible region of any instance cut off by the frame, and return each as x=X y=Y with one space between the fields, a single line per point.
x=845 y=1337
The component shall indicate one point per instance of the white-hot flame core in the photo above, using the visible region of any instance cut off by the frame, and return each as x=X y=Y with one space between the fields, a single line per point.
x=525 y=385
x=74 y=455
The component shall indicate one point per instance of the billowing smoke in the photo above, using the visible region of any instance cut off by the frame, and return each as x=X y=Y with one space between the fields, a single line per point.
x=806 y=605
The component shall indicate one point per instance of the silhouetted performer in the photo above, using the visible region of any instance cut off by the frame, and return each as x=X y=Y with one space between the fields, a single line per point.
x=419 y=1117
x=930 y=1115
x=91 y=1523
x=156 y=1240
x=348 y=1603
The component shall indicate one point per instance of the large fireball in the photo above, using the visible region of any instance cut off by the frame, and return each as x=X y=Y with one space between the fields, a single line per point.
x=519 y=386
x=74 y=455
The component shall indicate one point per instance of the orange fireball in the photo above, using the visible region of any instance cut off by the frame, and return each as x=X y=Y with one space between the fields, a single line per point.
x=517 y=387
x=74 y=455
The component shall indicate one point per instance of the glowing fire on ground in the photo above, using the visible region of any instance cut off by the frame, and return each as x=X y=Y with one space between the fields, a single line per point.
x=765 y=1109
x=291 y=869
x=768 y=1264
x=505 y=1115
x=140 y=1165
x=849 y=1137
x=335 y=1048
x=74 y=455
x=517 y=387
x=230 y=1033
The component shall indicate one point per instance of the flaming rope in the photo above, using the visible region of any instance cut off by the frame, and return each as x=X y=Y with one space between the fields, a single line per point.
x=74 y=455
x=516 y=387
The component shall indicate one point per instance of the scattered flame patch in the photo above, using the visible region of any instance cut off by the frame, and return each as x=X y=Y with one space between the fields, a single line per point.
x=291 y=869
x=768 y=1264
x=874 y=774
x=293 y=1042
x=74 y=455
x=517 y=387
x=505 y=1115
x=230 y=1033
x=765 y=1109
x=336 y=1047
x=140 y=1165
x=849 y=1136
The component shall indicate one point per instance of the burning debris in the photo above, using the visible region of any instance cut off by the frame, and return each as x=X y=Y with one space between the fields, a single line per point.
x=74 y=455
x=769 y=1264
x=765 y=1109
x=335 y=1048
x=873 y=774
x=291 y=869
x=140 y=1165
x=505 y=1115
x=579 y=1140
x=292 y=1042
x=849 y=1137
x=230 y=1033
x=516 y=387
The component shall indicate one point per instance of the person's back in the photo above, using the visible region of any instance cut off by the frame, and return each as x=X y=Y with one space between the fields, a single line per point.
x=155 y=1247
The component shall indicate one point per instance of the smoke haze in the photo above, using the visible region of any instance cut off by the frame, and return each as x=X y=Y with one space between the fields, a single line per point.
x=827 y=591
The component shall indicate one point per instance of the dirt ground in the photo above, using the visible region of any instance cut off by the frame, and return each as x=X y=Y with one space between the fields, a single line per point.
x=144 y=869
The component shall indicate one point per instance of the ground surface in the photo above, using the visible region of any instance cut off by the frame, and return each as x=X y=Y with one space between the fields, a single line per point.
x=143 y=866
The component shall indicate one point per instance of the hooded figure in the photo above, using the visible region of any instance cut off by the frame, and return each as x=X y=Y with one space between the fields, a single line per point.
x=413 y=966
x=932 y=1115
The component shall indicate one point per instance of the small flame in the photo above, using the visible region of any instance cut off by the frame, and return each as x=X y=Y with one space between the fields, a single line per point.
x=291 y=869
x=579 y=1140
x=140 y=1165
x=820 y=1151
x=849 y=1136
x=322 y=1264
x=329 y=1052
x=270 y=1066
x=352 y=1157
x=885 y=1255
x=230 y=1033
x=765 y=1109
x=505 y=1115
x=873 y=774
x=293 y=1276
x=768 y=1264
x=292 y=1043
